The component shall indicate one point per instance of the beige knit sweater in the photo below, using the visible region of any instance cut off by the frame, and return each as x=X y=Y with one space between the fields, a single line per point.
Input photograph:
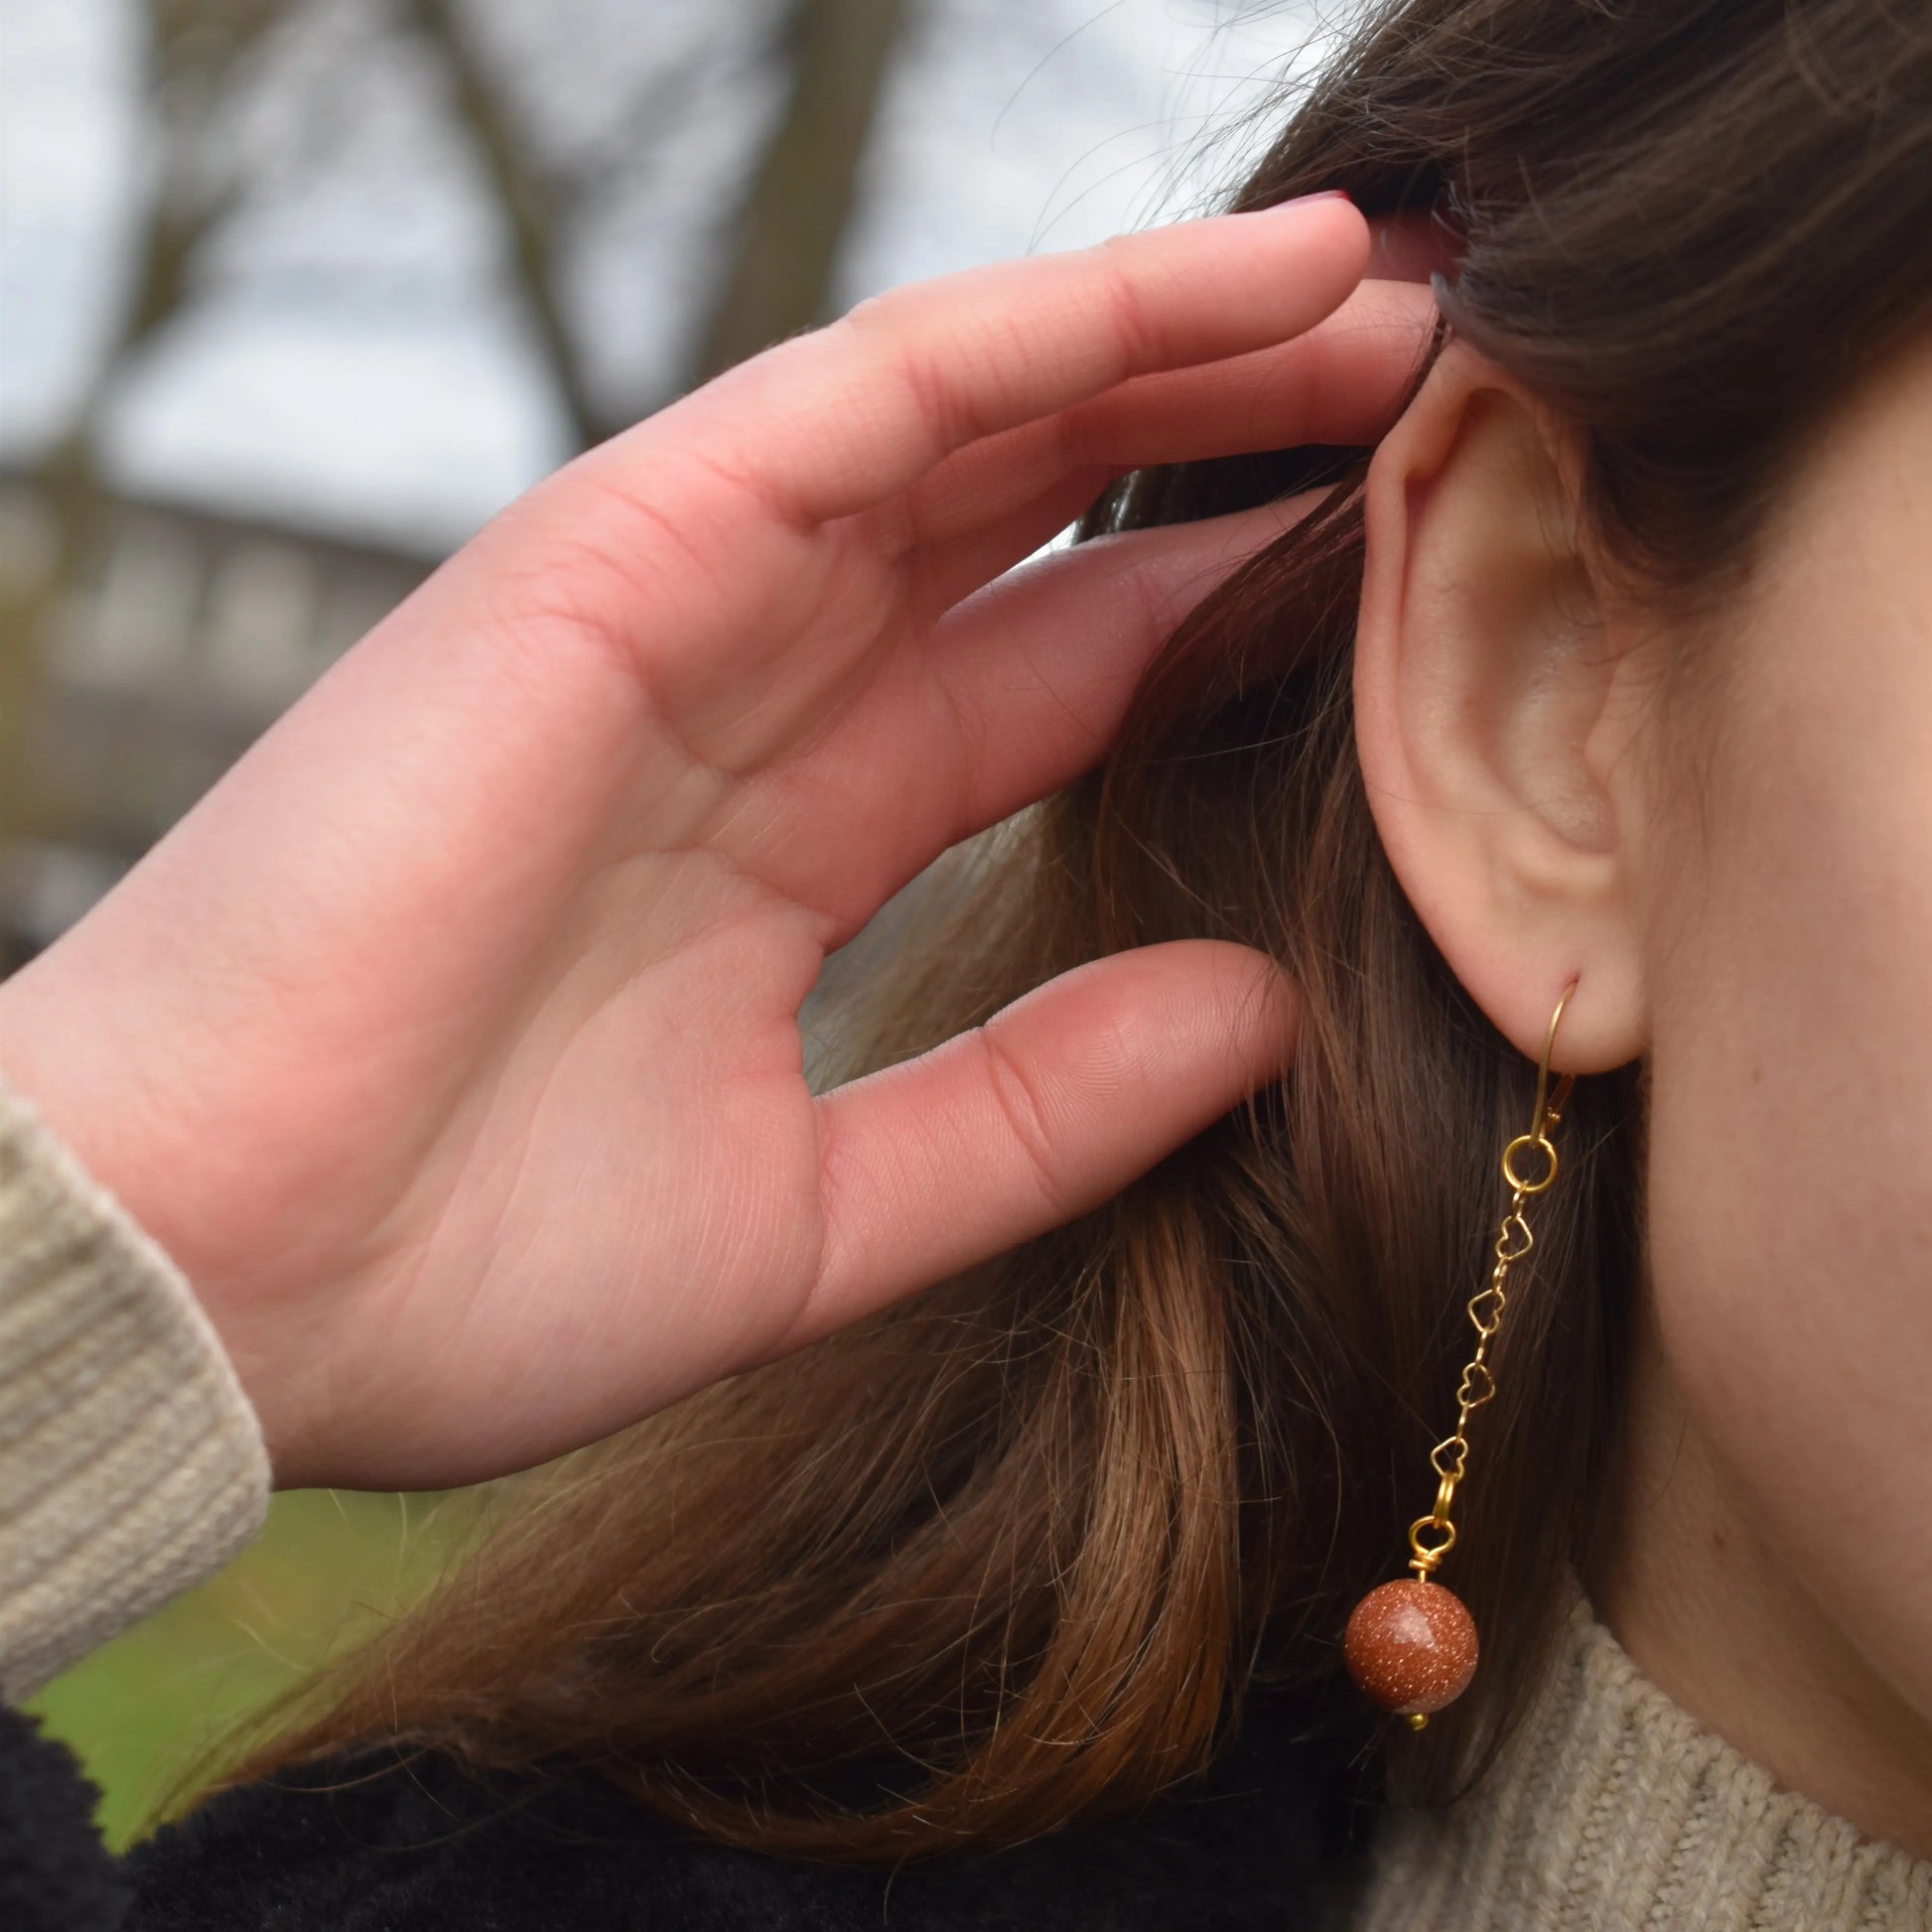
x=1614 y=1809
x=131 y=1466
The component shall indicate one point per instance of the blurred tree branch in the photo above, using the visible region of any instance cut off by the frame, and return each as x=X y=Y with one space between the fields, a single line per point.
x=194 y=47
x=782 y=246
x=193 y=51
x=196 y=51
x=529 y=203
x=541 y=197
x=778 y=247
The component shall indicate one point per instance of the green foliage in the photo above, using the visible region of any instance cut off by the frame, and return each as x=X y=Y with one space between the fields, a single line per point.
x=329 y=1569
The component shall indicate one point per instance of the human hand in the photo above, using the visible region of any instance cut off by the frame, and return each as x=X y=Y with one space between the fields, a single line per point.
x=450 y=1044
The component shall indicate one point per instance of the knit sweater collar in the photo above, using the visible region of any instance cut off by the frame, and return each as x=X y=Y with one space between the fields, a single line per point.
x=1614 y=1809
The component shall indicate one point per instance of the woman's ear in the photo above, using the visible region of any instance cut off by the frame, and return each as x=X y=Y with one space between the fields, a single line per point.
x=1498 y=698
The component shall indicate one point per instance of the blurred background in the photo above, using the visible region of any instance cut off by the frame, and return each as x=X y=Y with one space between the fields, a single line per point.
x=295 y=294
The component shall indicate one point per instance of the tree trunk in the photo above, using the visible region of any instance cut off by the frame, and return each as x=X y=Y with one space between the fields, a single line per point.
x=525 y=203
x=783 y=246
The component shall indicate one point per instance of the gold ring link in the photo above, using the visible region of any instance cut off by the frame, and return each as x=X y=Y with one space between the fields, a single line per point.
x=1545 y=1147
x=1429 y=1554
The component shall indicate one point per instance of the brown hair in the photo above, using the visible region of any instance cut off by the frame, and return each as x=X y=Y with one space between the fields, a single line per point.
x=1024 y=1548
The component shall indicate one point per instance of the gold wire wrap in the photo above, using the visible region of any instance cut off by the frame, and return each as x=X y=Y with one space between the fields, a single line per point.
x=1433 y=1536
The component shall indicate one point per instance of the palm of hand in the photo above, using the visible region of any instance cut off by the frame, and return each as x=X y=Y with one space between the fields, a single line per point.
x=451 y=1045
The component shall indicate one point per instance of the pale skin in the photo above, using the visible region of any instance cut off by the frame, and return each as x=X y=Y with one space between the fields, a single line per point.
x=1737 y=866
x=449 y=1046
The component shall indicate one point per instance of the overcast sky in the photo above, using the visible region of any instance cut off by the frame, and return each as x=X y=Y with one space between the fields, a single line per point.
x=359 y=362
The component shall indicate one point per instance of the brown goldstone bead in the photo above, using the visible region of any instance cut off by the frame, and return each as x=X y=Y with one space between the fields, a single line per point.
x=1411 y=1646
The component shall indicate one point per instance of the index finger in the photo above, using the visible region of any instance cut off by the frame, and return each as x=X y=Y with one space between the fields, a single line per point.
x=838 y=421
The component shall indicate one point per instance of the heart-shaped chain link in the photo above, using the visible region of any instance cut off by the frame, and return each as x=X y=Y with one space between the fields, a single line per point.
x=1529 y=1167
x=1515 y=1240
x=1486 y=1310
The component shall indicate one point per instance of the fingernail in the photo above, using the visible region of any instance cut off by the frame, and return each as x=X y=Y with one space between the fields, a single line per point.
x=1297 y=200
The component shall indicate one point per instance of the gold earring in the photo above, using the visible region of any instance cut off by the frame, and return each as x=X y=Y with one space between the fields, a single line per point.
x=1411 y=1646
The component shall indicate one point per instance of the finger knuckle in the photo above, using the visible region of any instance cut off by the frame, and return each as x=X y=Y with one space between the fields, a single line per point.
x=1131 y=314
x=1027 y=1114
x=956 y=371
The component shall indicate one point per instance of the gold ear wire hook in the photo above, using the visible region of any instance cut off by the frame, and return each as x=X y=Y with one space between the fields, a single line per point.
x=1546 y=1114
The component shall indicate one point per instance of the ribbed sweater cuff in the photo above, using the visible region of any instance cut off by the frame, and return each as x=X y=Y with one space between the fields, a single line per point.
x=131 y=1465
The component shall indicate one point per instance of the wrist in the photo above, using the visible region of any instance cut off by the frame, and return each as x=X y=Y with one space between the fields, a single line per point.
x=107 y=1126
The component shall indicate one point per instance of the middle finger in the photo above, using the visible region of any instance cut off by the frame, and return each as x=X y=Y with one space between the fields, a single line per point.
x=1341 y=383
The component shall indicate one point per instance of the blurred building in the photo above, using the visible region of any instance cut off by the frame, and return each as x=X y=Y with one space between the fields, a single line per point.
x=177 y=637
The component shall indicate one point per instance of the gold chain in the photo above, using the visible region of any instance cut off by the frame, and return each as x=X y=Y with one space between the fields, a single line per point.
x=1433 y=1536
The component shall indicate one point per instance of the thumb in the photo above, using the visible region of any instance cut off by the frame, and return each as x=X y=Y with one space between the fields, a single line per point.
x=1052 y=1106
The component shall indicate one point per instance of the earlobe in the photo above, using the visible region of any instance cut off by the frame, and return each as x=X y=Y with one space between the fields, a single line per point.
x=1495 y=700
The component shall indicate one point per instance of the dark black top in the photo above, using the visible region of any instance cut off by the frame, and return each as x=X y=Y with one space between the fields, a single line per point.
x=382 y=1844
